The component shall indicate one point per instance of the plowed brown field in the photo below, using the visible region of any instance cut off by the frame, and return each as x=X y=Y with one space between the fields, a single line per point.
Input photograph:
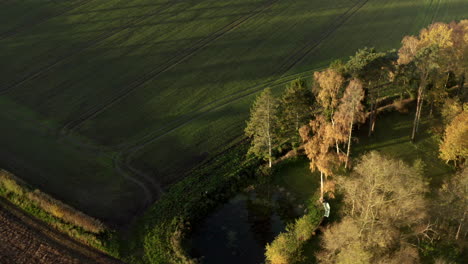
x=26 y=240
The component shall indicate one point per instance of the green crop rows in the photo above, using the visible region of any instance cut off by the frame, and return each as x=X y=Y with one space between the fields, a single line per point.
x=103 y=104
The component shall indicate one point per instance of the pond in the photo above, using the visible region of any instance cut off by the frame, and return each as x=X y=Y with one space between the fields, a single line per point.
x=237 y=231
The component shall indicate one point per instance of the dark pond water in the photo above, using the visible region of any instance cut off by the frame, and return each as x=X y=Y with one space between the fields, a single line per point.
x=238 y=231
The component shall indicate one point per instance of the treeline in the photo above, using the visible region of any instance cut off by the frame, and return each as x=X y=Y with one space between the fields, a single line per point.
x=429 y=68
x=387 y=216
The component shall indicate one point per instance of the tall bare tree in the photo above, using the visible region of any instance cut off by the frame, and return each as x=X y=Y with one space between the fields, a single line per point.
x=383 y=201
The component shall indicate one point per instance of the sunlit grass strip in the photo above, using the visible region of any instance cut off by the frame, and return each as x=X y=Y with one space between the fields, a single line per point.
x=55 y=213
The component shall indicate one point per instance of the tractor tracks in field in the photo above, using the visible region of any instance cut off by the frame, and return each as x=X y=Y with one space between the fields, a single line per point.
x=123 y=162
x=290 y=62
x=82 y=48
x=39 y=20
x=120 y=164
x=221 y=102
x=306 y=49
x=72 y=125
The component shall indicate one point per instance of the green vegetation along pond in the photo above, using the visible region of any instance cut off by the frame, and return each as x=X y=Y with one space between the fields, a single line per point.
x=238 y=231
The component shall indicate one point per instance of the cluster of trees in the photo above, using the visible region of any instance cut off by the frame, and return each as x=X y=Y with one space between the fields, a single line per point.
x=387 y=216
x=439 y=51
x=384 y=213
x=347 y=94
x=274 y=123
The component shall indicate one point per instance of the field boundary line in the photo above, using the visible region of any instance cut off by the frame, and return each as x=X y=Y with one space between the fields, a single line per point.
x=300 y=54
x=73 y=125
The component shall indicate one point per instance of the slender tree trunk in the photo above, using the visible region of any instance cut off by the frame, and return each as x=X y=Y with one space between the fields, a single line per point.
x=349 y=141
x=321 y=186
x=371 y=119
x=418 y=107
x=269 y=135
x=460 y=84
x=459 y=226
x=269 y=160
x=374 y=116
x=297 y=122
x=420 y=111
x=432 y=106
x=336 y=141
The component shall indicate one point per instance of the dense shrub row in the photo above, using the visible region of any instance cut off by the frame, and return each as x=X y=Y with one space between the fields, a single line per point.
x=287 y=246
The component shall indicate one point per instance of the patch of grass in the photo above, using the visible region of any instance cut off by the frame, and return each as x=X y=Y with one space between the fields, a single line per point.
x=295 y=175
x=392 y=137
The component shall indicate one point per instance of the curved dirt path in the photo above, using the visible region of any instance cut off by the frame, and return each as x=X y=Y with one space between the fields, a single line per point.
x=27 y=240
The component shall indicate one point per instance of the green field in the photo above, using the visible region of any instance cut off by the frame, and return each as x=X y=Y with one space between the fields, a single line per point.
x=103 y=104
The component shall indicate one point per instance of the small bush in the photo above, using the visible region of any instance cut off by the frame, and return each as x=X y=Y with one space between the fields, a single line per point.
x=66 y=213
x=9 y=184
x=287 y=246
x=304 y=228
x=285 y=249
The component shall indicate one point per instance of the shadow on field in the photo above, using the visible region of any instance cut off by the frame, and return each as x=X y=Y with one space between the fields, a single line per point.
x=115 y=75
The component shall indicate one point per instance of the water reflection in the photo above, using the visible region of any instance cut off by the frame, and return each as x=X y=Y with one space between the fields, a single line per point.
x=238 y=231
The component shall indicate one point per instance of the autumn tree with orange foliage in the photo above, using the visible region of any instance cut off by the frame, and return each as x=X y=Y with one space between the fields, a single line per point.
x=439 y=48
x=384 y=206
x=350 y=111
x=317 y=145
x=328 y=88
x=454 y=146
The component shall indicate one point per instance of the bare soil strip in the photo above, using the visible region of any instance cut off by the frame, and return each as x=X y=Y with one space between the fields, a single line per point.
x=26 y=240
